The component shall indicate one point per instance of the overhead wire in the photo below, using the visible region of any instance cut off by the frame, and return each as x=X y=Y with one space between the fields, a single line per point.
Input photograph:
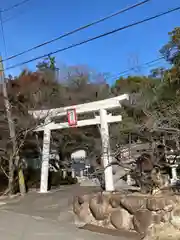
x=14 y=6
x=79 y=29
x=125 y=72
x=6 y=20
x=95 y=38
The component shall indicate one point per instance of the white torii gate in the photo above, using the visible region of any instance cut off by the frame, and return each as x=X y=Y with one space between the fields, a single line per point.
x=103 y=119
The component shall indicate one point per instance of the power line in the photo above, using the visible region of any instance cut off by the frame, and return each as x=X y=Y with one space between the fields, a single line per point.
x=13 y=17
x=142 y=65
x=125 y=72
x=95 y=38
x=15 y=6
x=79 y=29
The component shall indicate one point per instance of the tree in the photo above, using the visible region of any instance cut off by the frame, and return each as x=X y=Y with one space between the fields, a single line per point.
x=154 y=100
x=137 y=116
x=29 y=91
x=47 y=63
x=171 y=51
x=157 y=73
x=167 y=94
x=39 y=90
x=77 y=88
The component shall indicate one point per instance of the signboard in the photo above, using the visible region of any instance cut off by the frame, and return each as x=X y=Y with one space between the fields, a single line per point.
x=72 y=117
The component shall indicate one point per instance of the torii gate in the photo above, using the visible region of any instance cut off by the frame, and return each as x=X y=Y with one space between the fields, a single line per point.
x=103 y=119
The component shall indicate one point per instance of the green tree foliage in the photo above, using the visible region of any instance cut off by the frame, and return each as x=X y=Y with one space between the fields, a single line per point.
x=47 y=63
x=171 y=51
x=154 y=100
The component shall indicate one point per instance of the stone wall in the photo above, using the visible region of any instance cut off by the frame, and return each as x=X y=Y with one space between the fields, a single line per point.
x=149 y=216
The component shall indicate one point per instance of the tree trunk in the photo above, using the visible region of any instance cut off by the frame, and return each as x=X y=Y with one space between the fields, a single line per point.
x=21 y=180
x=11 y=176
x=12 y=181
x=22 y=187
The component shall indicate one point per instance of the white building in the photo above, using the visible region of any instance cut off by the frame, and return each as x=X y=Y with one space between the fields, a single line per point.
x=78 y=155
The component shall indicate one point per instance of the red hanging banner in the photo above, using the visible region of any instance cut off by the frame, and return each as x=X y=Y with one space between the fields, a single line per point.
x=72 y=117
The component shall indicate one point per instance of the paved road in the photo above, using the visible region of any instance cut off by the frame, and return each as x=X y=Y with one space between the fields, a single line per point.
x=55 y=205
x=44 y=216
x=14 y=226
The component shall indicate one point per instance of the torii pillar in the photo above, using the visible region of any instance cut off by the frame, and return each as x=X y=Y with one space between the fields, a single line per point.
x=108 y=173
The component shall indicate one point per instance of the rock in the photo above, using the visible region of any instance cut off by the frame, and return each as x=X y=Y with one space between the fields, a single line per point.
x=76 y=205
x=176 y=211
x=83 y=215
x=121 y=219
x=177 y=199
x=133 y=203
x=168 y=208
x=83 y=198
x=160 y=203
x=142 y=220
x=175 y=217
x=156 y=218
x=156 y=203
x=115 y=200
x=118 y=172
x=99 y=206
x=165 y=216
x=175 y=221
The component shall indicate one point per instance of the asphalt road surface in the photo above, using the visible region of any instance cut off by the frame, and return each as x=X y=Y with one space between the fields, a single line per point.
x=45 y=216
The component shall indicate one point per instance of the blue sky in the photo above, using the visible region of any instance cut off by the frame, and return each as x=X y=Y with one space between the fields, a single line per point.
x=39 y=20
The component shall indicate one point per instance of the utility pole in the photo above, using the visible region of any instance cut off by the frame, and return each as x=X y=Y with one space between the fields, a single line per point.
x=14 y=157
x=10 y=124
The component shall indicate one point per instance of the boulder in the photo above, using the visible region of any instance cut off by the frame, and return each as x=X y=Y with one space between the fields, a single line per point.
x=142 y=220
x=83 y=198
x=133 y=203
x=175 y=217
x=100 y=207
x=115 y=200
x=118 y=172
x=165 y=216
x=155 y=204
x=121 y=219
x=156 y=218
x=82 y=213
x=159 y=203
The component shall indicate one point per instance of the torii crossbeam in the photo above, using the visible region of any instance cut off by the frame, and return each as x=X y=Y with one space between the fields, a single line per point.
x=103 y=119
